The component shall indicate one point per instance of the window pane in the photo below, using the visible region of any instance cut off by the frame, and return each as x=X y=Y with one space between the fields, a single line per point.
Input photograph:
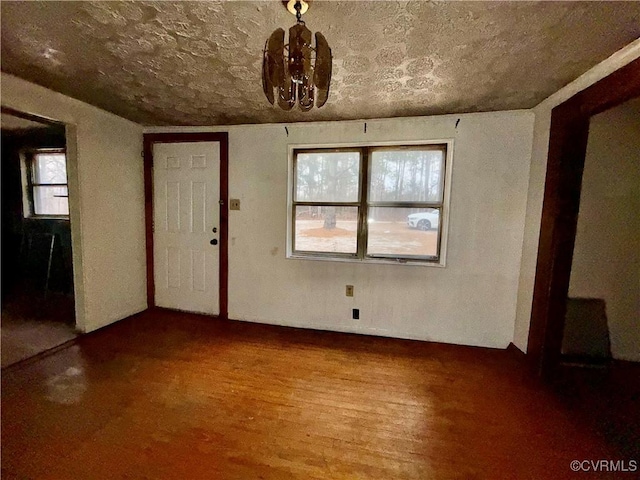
x=406 y=175
x=326 y=229
x=50 y=200
x=403 y=231
x=327 y=177
x=50 y=168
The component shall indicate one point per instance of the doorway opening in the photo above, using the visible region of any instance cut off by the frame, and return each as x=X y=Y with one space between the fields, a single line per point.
x=38 y=304
x=603 y=305
x=601 y=398
x=566 y=161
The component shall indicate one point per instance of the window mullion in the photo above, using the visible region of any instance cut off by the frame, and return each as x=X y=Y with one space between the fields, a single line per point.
x=326 y=204
x=31 y=158
x=363 y=227
x=406 y=204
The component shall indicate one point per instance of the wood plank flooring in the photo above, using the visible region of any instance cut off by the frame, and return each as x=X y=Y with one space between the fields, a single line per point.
x=165 y=395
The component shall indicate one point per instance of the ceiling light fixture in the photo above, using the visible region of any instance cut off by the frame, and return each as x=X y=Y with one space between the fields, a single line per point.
x=296 y=71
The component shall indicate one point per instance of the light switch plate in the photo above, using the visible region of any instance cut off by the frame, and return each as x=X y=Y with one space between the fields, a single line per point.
x=234 y=204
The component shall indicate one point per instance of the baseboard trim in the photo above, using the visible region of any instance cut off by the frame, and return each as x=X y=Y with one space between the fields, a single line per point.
x=516 y=352
x=511 y=348
x=373 y=332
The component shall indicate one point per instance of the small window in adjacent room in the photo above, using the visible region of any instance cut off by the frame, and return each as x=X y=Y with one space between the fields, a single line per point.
x=369 y=203
x=45 y=183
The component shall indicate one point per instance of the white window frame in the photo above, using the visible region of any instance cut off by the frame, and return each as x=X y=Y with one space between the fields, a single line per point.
x=27 y=158
x=445 y=214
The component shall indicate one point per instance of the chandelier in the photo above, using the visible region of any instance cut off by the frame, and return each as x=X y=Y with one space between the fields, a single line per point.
x=296 y=72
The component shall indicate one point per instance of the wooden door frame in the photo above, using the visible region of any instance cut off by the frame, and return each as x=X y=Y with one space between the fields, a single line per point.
x=73 y=185
x=150 y=139
x=565 y=165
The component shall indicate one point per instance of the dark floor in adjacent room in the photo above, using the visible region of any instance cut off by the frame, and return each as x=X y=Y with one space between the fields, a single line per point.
x=167 y=395
x=33 y=323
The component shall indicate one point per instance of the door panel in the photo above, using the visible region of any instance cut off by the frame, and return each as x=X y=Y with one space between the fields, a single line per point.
x=186 y=178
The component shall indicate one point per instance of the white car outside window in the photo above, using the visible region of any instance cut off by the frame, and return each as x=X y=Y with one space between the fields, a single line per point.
x=424 y=220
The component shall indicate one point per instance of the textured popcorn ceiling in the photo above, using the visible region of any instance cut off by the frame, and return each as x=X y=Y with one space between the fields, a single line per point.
x=199 y=63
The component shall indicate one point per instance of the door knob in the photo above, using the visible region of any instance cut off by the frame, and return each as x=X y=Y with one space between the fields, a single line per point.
x=214 y=241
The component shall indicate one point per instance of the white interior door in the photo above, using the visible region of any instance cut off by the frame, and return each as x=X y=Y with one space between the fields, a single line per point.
x=186 y=190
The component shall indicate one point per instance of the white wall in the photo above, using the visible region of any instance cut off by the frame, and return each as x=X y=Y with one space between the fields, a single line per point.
x=606 y=259
x=106 y=202
x=537 y=177
x=471 y=301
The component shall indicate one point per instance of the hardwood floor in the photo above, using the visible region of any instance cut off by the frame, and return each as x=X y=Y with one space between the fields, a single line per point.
x=166 y=395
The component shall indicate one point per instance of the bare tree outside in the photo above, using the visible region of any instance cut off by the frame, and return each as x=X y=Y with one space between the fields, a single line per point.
x=402 y=183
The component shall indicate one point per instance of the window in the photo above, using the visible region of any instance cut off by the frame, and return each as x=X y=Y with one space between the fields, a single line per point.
x=45 y=183
x=369 y=203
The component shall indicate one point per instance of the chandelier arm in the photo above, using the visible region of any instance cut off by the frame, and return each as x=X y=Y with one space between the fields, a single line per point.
x=287 y=94
x=305 y=94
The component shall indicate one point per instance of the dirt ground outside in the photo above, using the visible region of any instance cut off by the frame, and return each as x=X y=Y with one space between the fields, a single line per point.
x=392 y=238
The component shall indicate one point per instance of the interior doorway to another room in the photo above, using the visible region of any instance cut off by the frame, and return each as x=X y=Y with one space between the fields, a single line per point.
x=602 y=392
x=38 y=306
x=565 y=164
x=603 y=308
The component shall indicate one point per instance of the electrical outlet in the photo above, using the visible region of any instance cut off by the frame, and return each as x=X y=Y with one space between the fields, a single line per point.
x=356 y=314
x=234 y=204
x=349 y=291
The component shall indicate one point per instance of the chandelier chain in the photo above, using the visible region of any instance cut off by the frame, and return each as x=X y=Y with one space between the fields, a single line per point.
x=298 y=7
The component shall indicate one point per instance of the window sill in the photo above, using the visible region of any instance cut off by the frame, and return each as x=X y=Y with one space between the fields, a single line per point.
x=46 y=217
x=374 y=261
